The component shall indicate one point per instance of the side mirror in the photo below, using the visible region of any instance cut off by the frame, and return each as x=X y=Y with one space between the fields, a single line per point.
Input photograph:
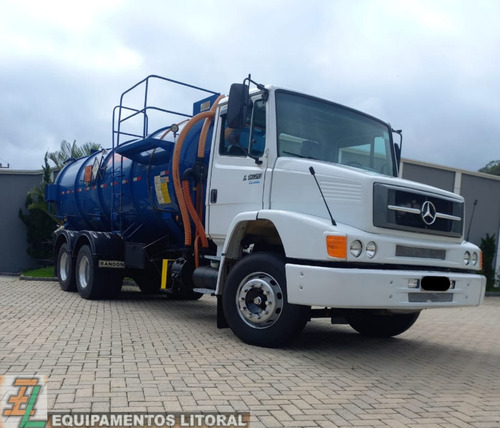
x=238 y=105
x=398 y=148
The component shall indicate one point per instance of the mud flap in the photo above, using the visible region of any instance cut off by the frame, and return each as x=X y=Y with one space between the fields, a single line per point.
x=221 y=318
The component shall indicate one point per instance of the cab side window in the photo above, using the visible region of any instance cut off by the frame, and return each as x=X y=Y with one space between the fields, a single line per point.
x=247 y=141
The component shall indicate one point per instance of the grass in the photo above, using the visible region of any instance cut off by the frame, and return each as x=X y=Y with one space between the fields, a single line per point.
x=45 y=272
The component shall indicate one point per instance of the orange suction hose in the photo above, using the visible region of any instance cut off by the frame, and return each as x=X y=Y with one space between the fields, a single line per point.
x=199 y=190
x=206 y=127
x=176 y=175
x=182 y=189
x=194 y=214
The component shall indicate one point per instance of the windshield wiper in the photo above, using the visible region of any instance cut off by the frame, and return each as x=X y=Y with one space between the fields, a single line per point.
x=299 y=156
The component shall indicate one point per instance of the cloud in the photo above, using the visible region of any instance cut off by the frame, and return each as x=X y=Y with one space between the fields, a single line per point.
x=429 y=67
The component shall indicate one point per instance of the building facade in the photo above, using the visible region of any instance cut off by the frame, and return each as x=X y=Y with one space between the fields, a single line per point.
x=14 y=186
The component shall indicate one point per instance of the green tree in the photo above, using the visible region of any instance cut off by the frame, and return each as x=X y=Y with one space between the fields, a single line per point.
x=37 y=216
x=71 y=151
x=492 y=167
x=38 y=220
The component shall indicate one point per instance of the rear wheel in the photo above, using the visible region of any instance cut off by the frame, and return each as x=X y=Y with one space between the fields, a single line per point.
x=88 y=280
x=65 y=269
x=255 y=302
x=381 y=324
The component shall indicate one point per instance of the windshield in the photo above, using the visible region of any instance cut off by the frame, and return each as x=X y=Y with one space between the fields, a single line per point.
x=316 y=129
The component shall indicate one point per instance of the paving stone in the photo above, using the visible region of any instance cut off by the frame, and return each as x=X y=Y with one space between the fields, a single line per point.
x=148 y=353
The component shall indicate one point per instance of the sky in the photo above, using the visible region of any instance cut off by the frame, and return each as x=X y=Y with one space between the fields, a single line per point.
x=428 y=67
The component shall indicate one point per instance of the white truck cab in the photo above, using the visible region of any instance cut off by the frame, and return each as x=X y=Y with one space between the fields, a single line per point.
x=307 y=211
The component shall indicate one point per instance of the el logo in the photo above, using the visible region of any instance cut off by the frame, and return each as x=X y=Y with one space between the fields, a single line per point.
x=23 y=403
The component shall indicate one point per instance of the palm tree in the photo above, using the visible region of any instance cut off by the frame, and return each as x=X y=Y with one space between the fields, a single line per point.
x=36 y=196
x=71 y=151
x=39 y=219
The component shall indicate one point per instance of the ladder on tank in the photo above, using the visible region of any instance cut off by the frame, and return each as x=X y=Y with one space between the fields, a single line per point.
x=139 y=139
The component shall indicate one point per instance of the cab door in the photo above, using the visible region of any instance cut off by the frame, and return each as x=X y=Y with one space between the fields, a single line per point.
x=238 y=172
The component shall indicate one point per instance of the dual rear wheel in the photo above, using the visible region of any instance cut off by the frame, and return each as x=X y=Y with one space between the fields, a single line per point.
x=91 y=282
x=84 y=276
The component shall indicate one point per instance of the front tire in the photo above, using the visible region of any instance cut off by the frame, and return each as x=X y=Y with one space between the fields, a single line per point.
x=380 y=324
x=255 y=302
x=65 y=268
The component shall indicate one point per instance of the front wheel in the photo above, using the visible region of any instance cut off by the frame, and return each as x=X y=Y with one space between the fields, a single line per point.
x=255 y=302
x=381 y=324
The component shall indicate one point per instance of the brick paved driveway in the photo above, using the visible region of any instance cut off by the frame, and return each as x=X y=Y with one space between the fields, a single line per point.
x=141 y=353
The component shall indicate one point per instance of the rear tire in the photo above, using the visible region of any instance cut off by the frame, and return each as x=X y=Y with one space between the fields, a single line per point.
x=255 y=302
x=89 y=281
x=376 y=324
x=65 y=269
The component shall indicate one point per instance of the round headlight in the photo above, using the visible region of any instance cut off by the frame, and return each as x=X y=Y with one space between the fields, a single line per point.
x=474 y=259
x=371 y=249
x=356 y=248
x=466 y=258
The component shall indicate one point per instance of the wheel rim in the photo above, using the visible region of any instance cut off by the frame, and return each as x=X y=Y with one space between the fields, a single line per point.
x=83 y=272
x=259 y=300
x=64 y=267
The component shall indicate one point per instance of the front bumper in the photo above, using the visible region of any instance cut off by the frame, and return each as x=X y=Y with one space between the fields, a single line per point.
x=378 y=288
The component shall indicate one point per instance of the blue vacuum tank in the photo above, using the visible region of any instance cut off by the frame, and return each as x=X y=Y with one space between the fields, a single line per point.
x=128 y=189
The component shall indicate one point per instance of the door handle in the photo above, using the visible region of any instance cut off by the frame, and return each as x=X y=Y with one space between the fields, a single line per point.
x=213 y=196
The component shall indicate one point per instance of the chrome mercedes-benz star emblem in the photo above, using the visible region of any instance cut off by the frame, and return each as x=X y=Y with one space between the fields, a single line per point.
x=428 y=213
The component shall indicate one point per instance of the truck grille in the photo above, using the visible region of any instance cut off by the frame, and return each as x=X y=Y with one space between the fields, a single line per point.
x=407 y=209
